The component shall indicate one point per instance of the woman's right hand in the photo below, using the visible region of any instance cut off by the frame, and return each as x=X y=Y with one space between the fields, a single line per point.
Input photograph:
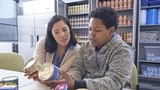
x=31 y=75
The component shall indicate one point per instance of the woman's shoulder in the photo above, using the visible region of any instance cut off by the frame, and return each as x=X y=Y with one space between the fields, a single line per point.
x=41 y=41
x=75 y=48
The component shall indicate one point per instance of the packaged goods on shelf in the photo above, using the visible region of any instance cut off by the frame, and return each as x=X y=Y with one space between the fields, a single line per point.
x=152 y=53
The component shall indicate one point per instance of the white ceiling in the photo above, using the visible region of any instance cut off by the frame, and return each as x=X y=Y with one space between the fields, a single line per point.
x=69 y=1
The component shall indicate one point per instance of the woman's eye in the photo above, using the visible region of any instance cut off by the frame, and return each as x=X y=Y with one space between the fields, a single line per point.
x=64 y=29
x=56 y=32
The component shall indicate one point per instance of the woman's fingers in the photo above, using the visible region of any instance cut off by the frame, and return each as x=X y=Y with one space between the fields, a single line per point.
x=34 y=75
x=31 y=74
x=28 y=73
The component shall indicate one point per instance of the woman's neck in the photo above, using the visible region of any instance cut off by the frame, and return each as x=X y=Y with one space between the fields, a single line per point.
x=60 y=51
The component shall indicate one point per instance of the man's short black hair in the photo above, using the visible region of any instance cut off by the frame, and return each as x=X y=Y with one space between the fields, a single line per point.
x=107 y=15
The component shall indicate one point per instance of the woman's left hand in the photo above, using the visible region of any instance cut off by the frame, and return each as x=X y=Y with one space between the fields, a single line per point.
x=65 y=80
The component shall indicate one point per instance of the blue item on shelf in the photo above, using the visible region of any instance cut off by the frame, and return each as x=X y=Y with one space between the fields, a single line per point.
x=144 y=5
x=152 y=16
x=155 y=2
x=144 y=0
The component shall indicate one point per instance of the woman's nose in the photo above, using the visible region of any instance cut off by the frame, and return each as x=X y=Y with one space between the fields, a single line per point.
x=62 y=34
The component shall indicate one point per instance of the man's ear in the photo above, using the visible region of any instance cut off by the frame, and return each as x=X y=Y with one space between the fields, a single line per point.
x=112 y=30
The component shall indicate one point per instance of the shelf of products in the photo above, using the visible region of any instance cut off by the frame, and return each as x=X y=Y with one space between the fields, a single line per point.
x=126 y=36
x=78 y=17
x=79 y=21
x=82 y=37
x=119 y=5
x=125 y=10
x=145 y=61
x=148 y=55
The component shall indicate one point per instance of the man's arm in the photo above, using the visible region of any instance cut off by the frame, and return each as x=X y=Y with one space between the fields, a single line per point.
x=118 y=73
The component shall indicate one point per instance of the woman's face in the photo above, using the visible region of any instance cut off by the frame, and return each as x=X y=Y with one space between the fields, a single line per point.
x=61 y=33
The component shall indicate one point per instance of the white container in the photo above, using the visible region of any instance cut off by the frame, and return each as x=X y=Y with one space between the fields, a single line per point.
x=32 y=65
x=158 y=16
x=143 y=17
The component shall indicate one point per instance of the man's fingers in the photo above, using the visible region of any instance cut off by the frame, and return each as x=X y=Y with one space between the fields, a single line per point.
x=59 y=81
x=49 y=83
x=64 y=74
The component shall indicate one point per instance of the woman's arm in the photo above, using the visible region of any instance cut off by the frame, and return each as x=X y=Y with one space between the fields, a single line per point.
x=70 y=58
x=40 y=52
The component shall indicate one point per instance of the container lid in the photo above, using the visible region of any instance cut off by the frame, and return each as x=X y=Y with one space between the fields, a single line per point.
x=30 y=63
x=10 y=78
x=45 y=71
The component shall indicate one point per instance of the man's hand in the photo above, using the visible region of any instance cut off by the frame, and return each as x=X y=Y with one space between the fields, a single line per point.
x=65 y=80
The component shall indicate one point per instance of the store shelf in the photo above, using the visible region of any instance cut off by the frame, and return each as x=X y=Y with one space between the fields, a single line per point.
x=125 y=26
x=146 y=86
x=80 y=28
x=128 y=42
x=149 y=42
x=78 y=14
x=149 y=77
x=126 y=10
x=149 y=25
x=150 y=7
x=144 y=61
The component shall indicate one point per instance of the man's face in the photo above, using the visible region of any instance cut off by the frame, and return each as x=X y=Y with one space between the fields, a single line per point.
x=99 y=34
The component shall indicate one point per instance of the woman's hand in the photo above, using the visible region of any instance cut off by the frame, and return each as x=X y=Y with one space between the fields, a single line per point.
x=31 y=75
x=65 y=80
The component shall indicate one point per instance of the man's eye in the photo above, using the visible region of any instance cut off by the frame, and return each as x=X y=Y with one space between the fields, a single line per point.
x=97 y=30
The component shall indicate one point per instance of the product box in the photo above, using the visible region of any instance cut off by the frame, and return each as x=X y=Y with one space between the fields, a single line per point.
x=152 y=53
x=61 y=87
x=149 y=36
x=150 y=70
x=14 y=87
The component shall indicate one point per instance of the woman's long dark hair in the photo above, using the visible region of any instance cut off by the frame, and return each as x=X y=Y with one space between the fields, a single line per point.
x=50 y=42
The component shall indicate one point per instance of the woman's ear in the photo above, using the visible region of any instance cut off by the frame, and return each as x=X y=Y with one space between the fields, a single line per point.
x=112 y=30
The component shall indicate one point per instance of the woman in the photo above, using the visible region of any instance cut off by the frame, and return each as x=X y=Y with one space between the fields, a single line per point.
x=59 y=46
